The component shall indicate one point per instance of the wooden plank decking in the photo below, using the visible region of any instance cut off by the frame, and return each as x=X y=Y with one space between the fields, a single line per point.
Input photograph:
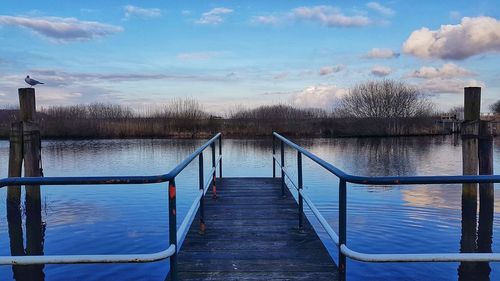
x=252 y=234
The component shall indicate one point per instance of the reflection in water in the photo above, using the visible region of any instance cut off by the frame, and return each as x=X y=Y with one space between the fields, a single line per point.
x=485 y=227
x=476 y=240
x=399 y=156
x=35 y=232
x=467 y=270
x=14 y=221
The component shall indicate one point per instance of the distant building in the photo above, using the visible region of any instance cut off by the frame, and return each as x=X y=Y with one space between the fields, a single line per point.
x=452 y=121
x=494 y=118
x=453 y=116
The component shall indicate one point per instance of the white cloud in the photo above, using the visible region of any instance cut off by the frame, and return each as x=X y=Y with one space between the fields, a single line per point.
x=331 y=69
x=196 y=56
x=63 y=29
x=214 y=16
x=381 y=71
x=377 y=7
x=448 y=70
x=377 y=53
x=267 y=20
x=447 y=86
x=471 y=37
x=329 y=16
x=322 y=96
x=141 y=12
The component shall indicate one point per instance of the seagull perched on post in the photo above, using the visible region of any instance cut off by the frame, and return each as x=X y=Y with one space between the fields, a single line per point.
x=31 y=82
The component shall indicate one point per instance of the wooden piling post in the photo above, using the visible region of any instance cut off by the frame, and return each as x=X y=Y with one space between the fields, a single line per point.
x=15 y=164
x=486 y=198
x=486 y=190
x=470 y=162
x=27 y=105
x=31 y=147
x=25 y=145
x=14 y=215
x=470 y=132
x=472 y=101
x=485 y=152
x=31 y=155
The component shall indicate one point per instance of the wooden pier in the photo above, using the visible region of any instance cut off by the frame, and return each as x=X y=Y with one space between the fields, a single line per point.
x=252 y=234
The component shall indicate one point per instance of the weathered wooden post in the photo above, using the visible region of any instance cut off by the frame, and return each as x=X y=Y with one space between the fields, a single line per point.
x=15 y=164
x=472 y=108
x=486 y=198
x=14 y=217
x=21 y=147
x=27 y=104
x=470 y=162
x=31 y=147
x=486 y=191
x=25 y=144
x=470 y=133
x=34 y=231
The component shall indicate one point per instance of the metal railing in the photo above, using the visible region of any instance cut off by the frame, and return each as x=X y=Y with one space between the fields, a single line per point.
x=176 y=236
x=340 y=238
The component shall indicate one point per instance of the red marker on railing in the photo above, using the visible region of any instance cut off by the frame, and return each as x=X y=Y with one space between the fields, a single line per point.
x=214 y=190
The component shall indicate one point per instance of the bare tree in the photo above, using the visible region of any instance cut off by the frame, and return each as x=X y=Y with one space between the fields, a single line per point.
x=92 y=111
x=495 y=107
x=384 y=99
x=185 y=108
x=456 y=110
x=108 y=111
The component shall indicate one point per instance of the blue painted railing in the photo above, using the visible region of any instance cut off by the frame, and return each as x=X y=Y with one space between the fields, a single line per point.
x=176 y=235
x=344 y=178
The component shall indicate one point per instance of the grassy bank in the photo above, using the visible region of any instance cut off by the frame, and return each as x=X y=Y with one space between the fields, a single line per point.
x=111 y=121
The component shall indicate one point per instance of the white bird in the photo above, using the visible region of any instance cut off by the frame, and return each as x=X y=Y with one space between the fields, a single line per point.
x=31 y=82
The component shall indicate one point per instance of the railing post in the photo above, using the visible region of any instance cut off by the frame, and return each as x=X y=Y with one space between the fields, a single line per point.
x=300 y=184
x=342 y=227
x=274 y=153
x=202 y=203
x=282 y=167
x=172 y=225
x=220 y=154
x=214 y=188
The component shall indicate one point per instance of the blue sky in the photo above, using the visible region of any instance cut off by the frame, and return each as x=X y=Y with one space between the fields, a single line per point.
x=246 y=53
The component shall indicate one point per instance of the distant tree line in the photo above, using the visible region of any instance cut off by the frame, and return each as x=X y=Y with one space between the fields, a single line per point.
x=375 y=108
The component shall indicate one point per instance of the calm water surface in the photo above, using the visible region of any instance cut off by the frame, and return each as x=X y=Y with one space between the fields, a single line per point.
x=134 y=218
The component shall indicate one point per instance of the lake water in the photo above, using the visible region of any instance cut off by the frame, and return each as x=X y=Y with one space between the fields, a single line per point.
x=123 y=219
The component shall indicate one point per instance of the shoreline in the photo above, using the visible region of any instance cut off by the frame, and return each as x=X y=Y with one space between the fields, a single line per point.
x=236 y=137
